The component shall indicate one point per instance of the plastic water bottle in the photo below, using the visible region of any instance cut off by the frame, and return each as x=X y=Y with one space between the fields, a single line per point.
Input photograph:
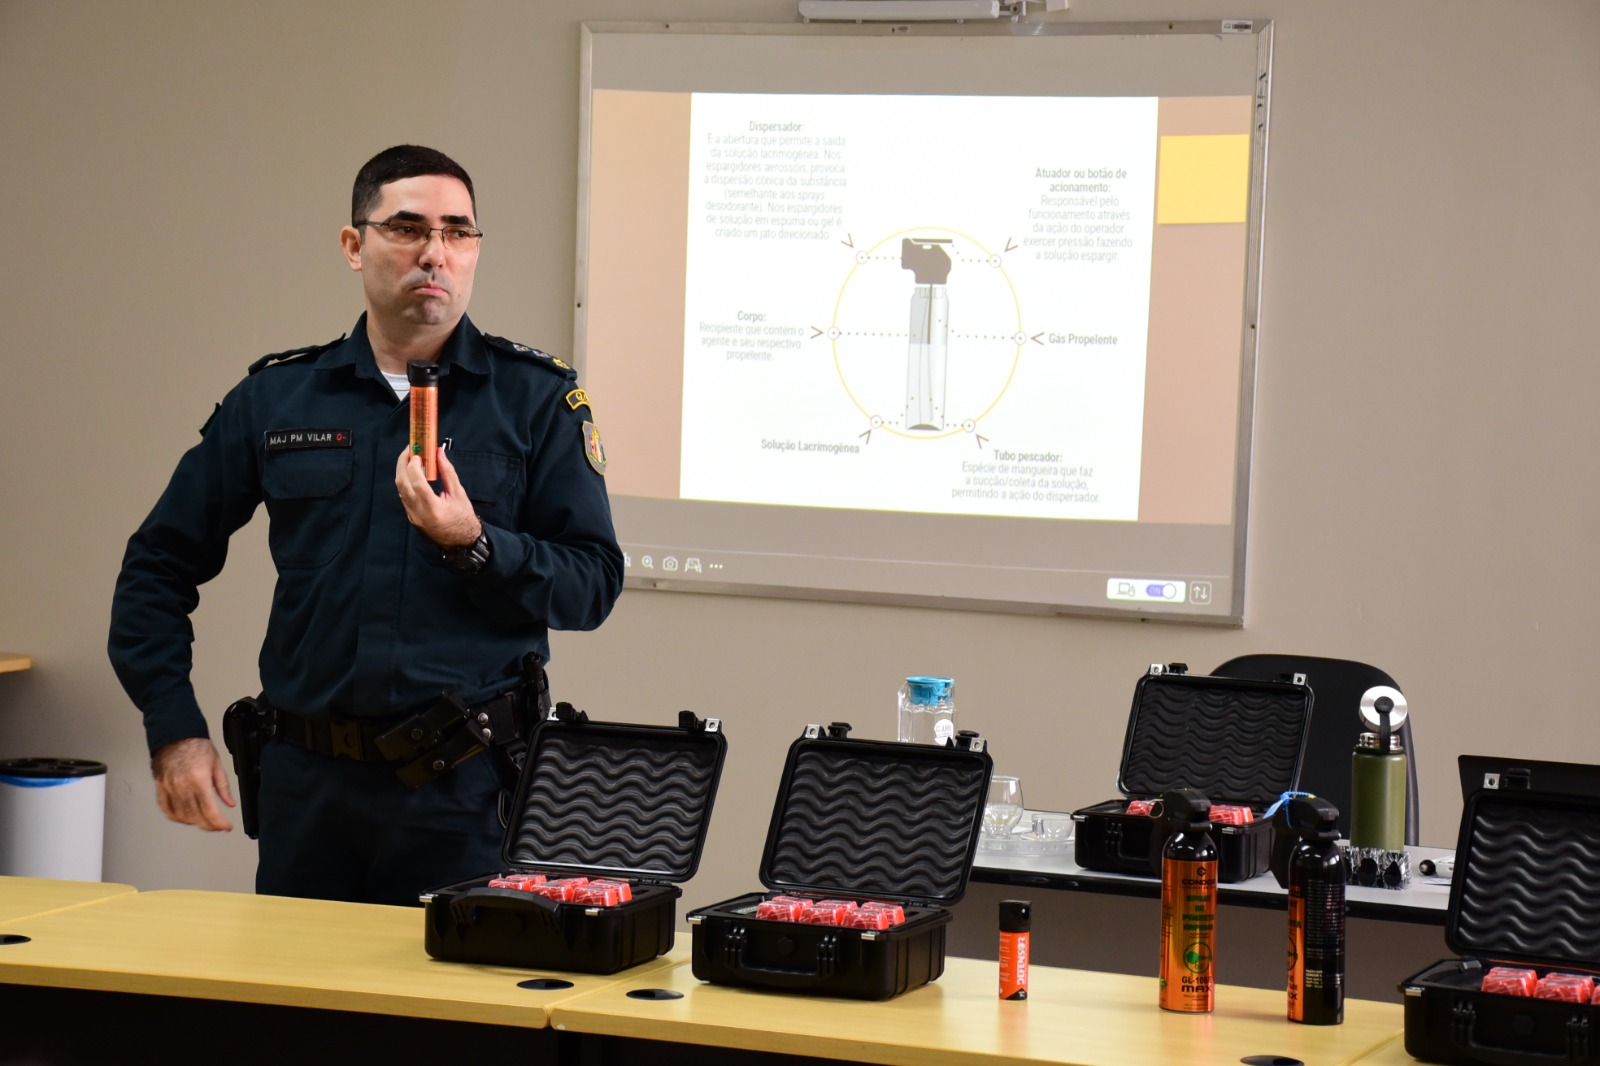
x=927 y=710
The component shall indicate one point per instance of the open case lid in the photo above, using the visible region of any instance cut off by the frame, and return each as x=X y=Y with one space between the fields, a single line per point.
x=631 y=801
x=878 y=819
x=1523 y=886
x=1232 y=739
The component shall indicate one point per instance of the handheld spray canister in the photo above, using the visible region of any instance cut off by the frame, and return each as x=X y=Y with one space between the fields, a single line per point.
x=1188 y=904
x=1016 y=924
x=1316 y=878
x=424 y=381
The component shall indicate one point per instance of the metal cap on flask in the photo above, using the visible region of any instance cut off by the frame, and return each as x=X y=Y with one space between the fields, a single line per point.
x=1372 y=709
x=1369 y=742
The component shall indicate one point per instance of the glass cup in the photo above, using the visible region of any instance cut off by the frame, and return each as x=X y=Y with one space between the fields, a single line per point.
x=1004 y=807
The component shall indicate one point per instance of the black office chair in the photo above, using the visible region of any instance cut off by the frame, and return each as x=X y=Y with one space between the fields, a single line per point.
x=1337 y=686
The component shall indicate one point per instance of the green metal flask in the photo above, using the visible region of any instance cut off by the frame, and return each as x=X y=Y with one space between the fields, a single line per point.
x=1378 y=774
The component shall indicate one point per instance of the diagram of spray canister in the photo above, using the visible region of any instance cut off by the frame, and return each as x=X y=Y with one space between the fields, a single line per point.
x=926 y=355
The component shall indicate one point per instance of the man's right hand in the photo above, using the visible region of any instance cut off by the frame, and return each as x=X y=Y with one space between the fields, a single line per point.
x=189 y=777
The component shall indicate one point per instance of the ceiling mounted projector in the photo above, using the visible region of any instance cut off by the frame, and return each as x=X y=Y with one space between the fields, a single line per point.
x=899 y=10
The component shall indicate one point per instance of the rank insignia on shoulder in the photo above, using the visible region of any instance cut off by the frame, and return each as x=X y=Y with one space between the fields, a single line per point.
x=578 y=398
x=293 y=354
x=593 y=450
x=544 y=358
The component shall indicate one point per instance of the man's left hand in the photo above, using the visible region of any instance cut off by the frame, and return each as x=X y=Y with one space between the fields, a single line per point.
x=445 y=517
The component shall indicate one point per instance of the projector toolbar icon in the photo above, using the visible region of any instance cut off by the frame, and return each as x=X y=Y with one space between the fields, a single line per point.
x=1145 y=590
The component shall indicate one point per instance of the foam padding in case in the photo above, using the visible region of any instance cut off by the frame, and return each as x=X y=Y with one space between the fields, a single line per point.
x=1525 y=878
x=1234 y=741
x=640 y=804
x=877 y=820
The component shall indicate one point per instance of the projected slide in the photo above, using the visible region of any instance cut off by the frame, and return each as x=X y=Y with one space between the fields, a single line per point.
x=885 y=312
x=945 y=319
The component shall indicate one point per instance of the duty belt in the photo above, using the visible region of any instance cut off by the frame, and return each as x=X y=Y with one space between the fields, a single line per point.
x=422 y=747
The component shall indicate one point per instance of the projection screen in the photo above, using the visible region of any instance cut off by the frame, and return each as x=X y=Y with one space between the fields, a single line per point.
x=950 y=315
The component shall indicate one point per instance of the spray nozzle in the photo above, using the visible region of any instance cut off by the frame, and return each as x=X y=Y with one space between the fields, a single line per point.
x=1186 y=809
x=1313 y=818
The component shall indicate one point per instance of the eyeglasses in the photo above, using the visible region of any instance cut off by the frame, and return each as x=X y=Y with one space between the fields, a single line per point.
x=407 y=231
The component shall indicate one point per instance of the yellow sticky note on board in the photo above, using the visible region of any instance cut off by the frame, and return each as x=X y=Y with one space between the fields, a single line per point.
x=1203 y=178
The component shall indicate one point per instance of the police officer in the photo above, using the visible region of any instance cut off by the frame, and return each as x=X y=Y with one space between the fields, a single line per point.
x=396 y=663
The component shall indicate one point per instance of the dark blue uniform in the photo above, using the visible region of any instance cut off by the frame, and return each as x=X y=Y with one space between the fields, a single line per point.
x=367 y=620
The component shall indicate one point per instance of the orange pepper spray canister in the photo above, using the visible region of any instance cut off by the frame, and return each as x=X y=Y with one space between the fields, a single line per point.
x=1188 y=904
x=424 y=381
x=1016 y=921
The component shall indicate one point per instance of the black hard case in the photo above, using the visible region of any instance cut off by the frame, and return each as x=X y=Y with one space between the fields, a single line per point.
x=596 y=799
x=861 y=820
x=1233 y=740
x=1522 y=894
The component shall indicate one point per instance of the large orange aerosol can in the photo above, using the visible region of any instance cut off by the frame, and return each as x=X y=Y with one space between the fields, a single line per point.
x=1188 y=904
x=424 y=381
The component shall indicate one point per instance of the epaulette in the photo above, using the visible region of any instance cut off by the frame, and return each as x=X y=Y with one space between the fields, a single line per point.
x=294 y=353
x=544 y=359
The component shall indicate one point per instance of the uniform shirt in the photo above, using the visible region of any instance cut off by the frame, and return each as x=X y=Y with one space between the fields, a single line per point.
x=367 y=620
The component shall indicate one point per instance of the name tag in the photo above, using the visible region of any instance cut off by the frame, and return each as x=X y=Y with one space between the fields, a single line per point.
x=289 y=440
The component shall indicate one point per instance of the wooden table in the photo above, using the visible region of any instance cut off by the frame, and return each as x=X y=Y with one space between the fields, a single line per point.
x=271 y=950
x=23 y=897
x=11 y=662
x=194 y=977
x=1390 y=1053
x=1072 y=1016
x=264 y=979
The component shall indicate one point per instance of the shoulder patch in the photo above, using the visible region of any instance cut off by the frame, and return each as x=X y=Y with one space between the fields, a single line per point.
x=534 y=355
x=294 y=353
x=593 y=450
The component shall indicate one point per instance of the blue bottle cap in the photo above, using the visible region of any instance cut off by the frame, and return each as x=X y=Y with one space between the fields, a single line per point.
x=925 y=690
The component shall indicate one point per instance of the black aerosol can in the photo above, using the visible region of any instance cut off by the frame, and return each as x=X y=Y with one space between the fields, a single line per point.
x=1316 y=913
x=1188 y=904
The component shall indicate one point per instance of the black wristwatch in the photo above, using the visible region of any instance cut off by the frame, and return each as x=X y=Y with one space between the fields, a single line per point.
x=470 y=558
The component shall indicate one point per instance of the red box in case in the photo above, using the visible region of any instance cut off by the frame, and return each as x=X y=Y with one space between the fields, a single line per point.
x=596 y=802
x=897 y=823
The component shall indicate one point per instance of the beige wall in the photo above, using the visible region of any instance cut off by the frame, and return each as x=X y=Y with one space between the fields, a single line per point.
x=175 y=174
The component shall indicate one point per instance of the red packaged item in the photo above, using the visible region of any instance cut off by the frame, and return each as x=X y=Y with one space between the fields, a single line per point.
x=779 y=910
x=1510 y=981
x=1227 y=814
x=1141 y=806
x=624 y=888
x=597 y=894
x=561 y=888
x=1595 y=998
x=895 y=912
x=867 y=918
x=521 y=882
x=825 y=912
x=1566 y=987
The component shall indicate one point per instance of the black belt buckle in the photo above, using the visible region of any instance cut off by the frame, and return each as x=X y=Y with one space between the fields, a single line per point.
x=423 y=732
x=344 y=738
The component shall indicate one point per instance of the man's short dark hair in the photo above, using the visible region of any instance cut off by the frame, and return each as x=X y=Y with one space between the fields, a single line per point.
x=397 y=163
